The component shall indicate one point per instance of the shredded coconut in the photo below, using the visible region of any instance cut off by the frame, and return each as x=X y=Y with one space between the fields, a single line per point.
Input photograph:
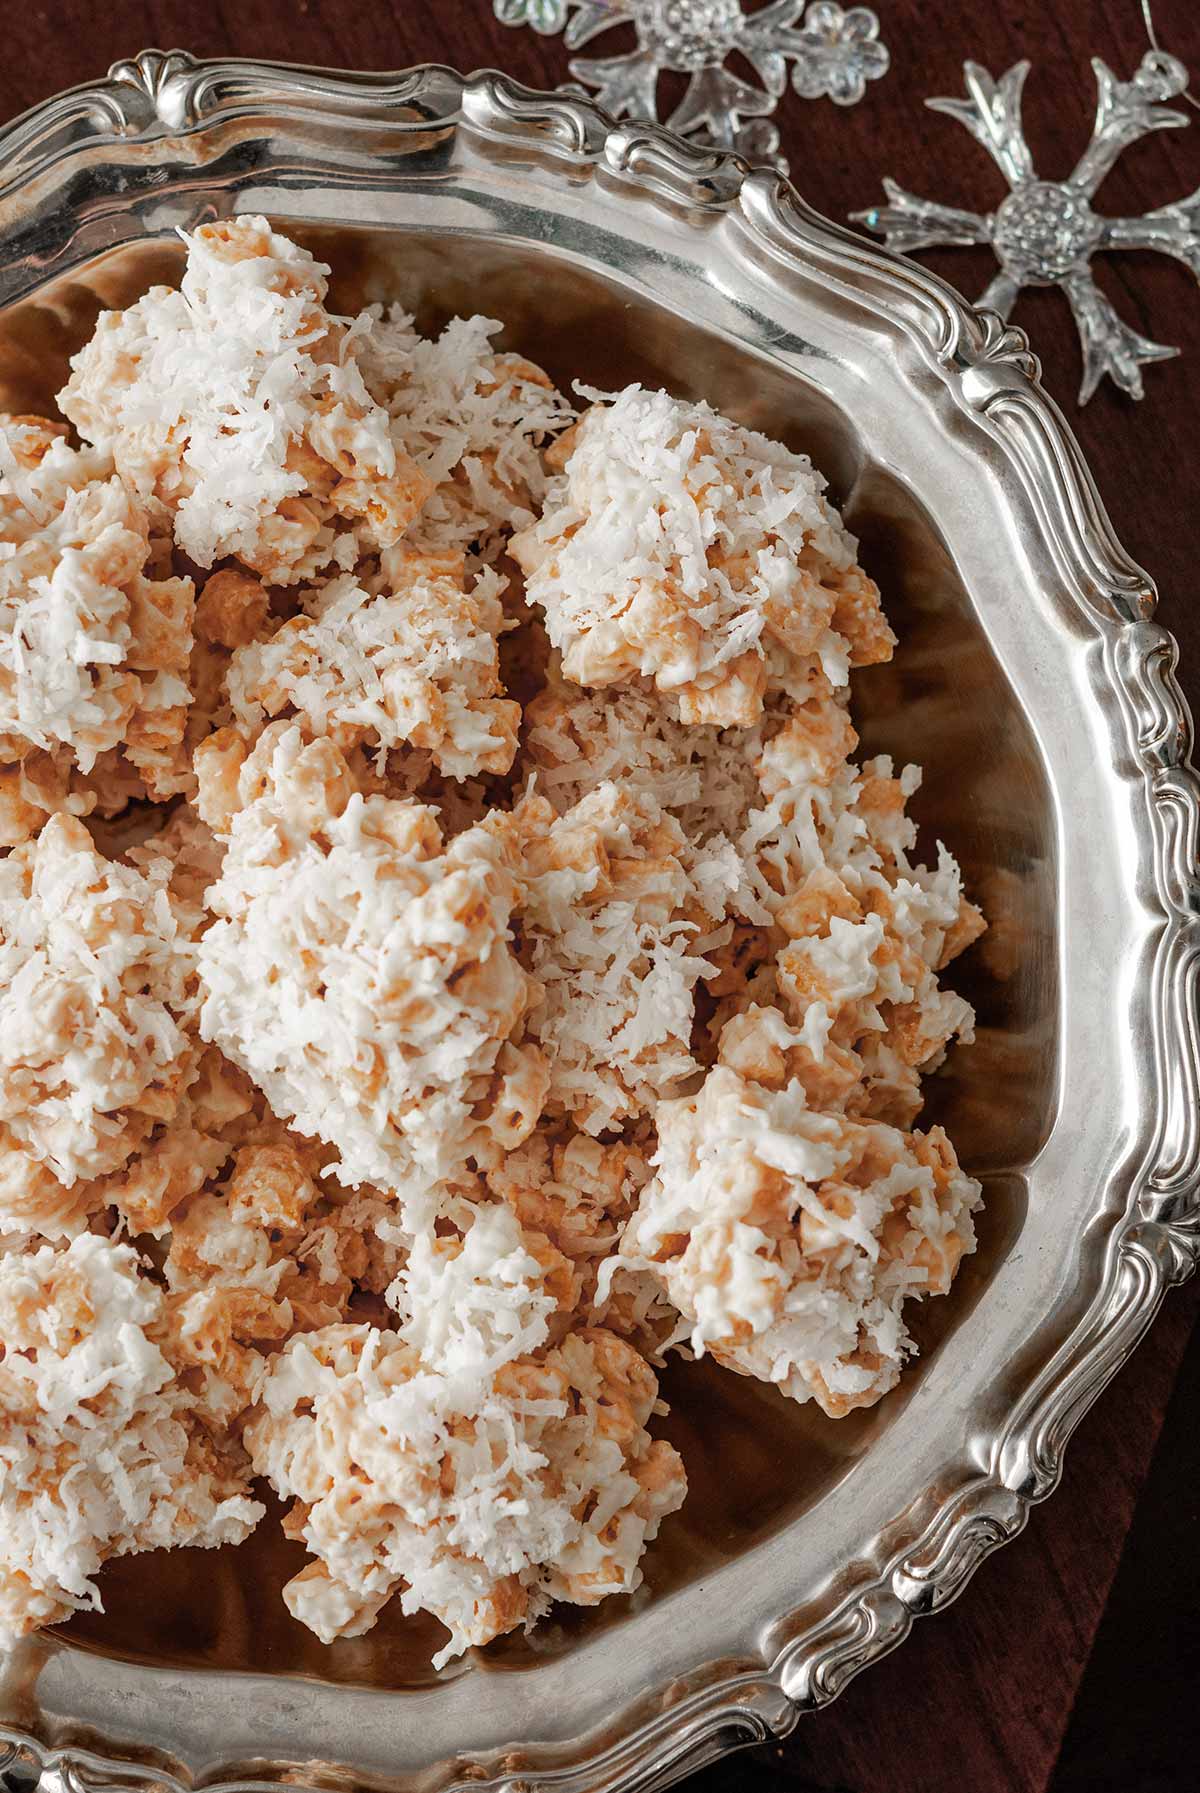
x=416 y=664
x=472 y=420
x=93 y=653
x=679 y=546
x=270 y=1250
x=614 y=925
x=578 y=739
x=524 y=982
x=483 y=1499
x=789 y=1239
x=99 y=1455
x=92 y=991
x=361 y=973
x=237 y=406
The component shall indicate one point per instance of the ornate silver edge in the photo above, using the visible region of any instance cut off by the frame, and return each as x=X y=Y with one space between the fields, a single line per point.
x=1157 y=1241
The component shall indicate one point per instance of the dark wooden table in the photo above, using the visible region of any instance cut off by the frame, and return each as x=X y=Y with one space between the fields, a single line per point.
x=1066 y=1667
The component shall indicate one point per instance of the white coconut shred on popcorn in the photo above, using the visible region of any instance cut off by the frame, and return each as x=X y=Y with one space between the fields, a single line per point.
x=361 y=973
x=93 y=652
x=864 y=932
x=93 y=991
x=790 y=1240
x=99 y=1455
x=481 y=1498
x=182 y=1128
x=271 y=1250
x=474 y=420
x=576 y=739
x=615 y=923
x=412 y=662
x=473 y=1458
x=235 y=406
x=681 y=547
x=524 y=989
x=477 y=1288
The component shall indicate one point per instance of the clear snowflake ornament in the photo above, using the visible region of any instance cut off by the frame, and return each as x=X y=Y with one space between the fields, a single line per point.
x=828 y=51
x=1045 y=233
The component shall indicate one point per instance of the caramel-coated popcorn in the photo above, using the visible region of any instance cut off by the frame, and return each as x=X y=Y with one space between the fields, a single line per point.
x=93 y=1048
x=235 y=406
x=789 y=1239
x=415 y=663
x=678 y=546
x=100 y=1454
x=450 y=957
x=359 y=970
x=483 y=1498
x=94 y=651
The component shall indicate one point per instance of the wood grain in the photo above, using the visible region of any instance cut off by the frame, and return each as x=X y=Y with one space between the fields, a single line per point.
x=979 y=1698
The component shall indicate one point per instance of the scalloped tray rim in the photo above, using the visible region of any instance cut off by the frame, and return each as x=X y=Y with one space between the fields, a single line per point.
x=1157 y=1242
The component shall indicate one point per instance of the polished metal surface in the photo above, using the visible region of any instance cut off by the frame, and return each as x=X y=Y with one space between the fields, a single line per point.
x=1037 y=691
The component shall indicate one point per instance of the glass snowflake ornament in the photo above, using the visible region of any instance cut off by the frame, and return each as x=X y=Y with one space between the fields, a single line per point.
x=1046 y=233
x=829 y=52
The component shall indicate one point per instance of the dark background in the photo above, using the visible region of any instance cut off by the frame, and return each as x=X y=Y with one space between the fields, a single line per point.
x=1073 y=1663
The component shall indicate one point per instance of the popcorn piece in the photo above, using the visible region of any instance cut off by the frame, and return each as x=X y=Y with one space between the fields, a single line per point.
x=182 y=1153
x=614 y=925
x=416 y=663
x=92 y=990
x=160 y=621
x=485 y=1499
x=359 y=971
x=93 y=653
x=759 y=1044
x=233 y=610
x=34 y=1203
x=578 y=1193
x=577 y=739
x=859 y=972
x=36 y=786
x=235 y=406
x=111 y=785
x=811 y=738
x=478 y=1287
x=472 y=420
x=174 y=1143
x=270 y=1252
x=187 y=855
x=679 y=546
x=791 y=1239
x=173 y=1161
x=99 y=1453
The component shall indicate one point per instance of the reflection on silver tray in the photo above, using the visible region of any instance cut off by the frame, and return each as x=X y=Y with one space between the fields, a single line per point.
x=1039 y=695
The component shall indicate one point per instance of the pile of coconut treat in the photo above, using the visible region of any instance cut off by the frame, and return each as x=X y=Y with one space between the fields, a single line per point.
x=502 y=976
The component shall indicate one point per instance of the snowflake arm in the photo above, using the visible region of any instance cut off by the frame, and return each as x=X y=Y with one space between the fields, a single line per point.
x=716 y=102
x=623 y=85
x=1171 y=230
x=595 y=16
x=1125 y=111
x=999 y=295
x=992 y=114
x=775 y=22
x=908 y=222
x=1110 y=346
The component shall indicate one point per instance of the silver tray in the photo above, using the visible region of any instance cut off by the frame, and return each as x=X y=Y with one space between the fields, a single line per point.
x=1039 y=694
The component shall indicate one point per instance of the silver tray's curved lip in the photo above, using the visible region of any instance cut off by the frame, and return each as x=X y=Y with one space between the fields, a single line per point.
x=1155 y=1180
